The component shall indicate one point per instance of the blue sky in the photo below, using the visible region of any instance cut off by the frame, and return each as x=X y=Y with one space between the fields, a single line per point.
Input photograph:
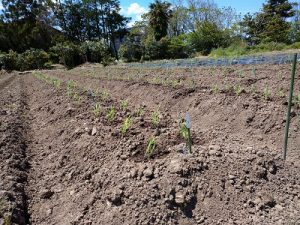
x=134 y=8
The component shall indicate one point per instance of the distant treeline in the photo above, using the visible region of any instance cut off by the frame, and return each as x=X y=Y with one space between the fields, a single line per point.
x=73 y=32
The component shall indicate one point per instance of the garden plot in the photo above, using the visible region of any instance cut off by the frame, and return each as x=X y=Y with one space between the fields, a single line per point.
x=104 y=146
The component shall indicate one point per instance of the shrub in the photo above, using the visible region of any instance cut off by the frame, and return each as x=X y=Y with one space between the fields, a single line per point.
x=33 y=59
x=235 y=49
x=208 y=36
x=271 y=46
x=93 y=51
x=131 y=52
x=68 y=54
x=9 y=61
x=157 y=49
x=179 y=48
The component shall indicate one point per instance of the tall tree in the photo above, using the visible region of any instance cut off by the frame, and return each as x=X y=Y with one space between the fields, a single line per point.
x=159 y=17
x=271 y=24
x=295 y=31
x=26 y=25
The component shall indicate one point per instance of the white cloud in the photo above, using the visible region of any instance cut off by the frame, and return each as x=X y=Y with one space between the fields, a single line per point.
x=1 y=6
x=136 y=9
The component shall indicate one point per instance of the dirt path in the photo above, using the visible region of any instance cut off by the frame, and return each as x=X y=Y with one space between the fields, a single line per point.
x=13 y=151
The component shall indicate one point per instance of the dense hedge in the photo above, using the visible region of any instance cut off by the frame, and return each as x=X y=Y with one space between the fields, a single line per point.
x=71 y=55
x=165 y=48
x=241 y=48
x=68 y=54
x=31 y=59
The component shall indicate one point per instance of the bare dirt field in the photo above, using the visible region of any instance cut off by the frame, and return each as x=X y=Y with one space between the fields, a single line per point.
x=66 y=157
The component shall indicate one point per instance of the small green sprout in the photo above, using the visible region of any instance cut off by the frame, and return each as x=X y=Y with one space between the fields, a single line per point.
x=97 y=109
x=126 y=125
x=297 y=99
x=175 y=83
x=254 y=71
x=280 y=76
x=192 y=83
x=124 y=105
x=185 y=133
x=111 y=115
x=183 y=130
x=105 y=95
x=266 y=93
x=77 y=97
x=70 y=87
x=238 y=90
x=155 y=118
x=281 y=93
x=241 y=73
x=97 y=93
x=151 y=146
x=56 y=82
x=253 y=89
x=139 y=112
x=216 y=89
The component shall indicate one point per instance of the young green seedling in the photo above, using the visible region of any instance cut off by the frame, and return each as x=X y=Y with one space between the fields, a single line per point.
x=238 y=90
x=77 y=97
x=297 y=99
x=97 y=93
x=105 y=95
x=281 y=93
x=216 y=89
x=185 y=131
x=151 y=146
x=126 y=125
x=124 y=105
x=97 y=109
x=56 y=82
x=111 y=115
x=139 y=112
x=70 y=87
x=266 y=93
x=253 y=89
x=254 y=71
x=241 y=73
x=155 y=118
x=192 y=83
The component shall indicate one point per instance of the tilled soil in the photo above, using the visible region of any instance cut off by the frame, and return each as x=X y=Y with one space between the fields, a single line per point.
x=61 y=164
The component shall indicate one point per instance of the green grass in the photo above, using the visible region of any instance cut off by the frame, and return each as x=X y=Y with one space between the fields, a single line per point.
x=240 y=49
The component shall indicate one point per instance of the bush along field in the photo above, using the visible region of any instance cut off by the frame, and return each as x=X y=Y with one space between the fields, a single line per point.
x=132 y=145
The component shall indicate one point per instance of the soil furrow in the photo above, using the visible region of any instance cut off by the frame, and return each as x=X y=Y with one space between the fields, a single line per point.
x=13 y=152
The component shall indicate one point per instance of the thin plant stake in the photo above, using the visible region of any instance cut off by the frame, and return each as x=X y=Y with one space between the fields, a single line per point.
x=188 y=126
x=288 y=119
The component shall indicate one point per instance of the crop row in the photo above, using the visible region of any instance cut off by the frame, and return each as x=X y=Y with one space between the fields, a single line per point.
x=228 y=86
x=103 y=106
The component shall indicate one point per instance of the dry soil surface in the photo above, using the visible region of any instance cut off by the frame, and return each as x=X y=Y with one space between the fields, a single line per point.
x=62 y=164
